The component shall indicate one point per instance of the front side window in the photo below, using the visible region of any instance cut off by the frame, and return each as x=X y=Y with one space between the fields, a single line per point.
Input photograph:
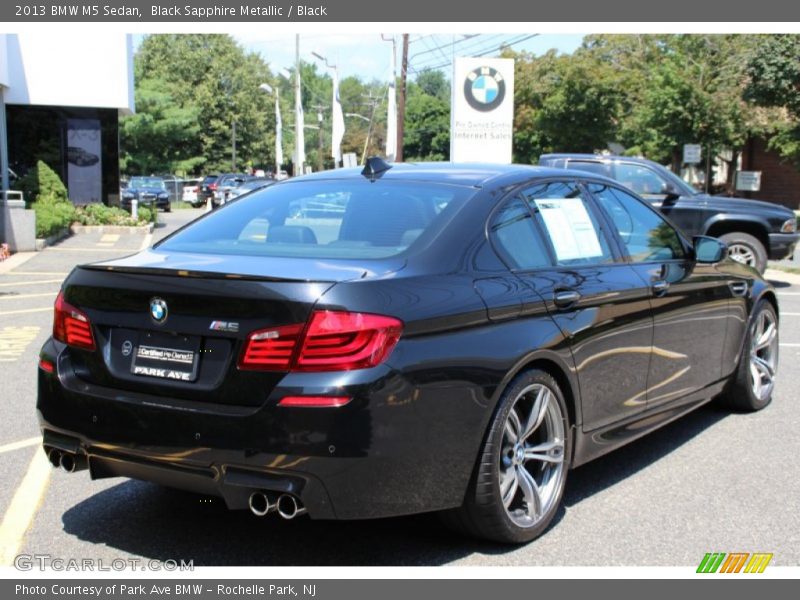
x=645 y=233
x=574 y=233
x=348 y=219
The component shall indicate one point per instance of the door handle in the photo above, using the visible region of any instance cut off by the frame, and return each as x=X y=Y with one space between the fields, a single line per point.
x=738 y=288
x=660 y=287
x=566 y=298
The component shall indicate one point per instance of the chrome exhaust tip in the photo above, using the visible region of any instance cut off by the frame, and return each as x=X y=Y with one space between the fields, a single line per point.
x=290 y=507
x=260 y=504
x=54 y=457
x=72 y=462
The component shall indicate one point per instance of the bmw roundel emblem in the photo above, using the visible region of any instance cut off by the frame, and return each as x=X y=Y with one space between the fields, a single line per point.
x=484 y=89
x=158 y=310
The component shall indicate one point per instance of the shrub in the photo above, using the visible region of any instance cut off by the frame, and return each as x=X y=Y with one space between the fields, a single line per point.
x=42 y=182
x=100 y=214
x=52 y=215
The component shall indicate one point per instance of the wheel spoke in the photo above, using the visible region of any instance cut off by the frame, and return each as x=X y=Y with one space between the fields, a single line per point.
x=509 y=486
x=755 y=377
x=764 y=368
x=531 y=491
x=767 y=337
x=552 y=452
x=513 y=426
x=538 y=412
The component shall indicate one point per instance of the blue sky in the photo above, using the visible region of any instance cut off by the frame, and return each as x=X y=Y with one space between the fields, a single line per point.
x=368 y=57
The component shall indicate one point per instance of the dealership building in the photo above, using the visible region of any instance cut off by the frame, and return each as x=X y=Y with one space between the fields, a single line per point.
x=61 y=96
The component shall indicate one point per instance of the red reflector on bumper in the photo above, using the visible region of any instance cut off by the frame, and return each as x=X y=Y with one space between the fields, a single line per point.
x=315 y=401
x=46 y=365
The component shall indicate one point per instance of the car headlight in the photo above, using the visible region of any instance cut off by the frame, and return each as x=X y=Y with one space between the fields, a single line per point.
x=127 y=196
x=163 y=195
x=790 y=226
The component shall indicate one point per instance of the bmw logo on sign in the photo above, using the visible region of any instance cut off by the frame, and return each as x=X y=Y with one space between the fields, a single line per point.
x=158 y=310
x=484 y=89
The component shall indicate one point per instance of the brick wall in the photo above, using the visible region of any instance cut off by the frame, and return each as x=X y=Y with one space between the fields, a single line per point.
x=780 y=179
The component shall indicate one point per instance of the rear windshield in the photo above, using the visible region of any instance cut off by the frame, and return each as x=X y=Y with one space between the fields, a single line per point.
x=347 y=219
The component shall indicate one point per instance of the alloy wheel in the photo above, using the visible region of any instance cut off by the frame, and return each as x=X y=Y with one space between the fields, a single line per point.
x=743 y=254
x=532 y=456
x=763 y=354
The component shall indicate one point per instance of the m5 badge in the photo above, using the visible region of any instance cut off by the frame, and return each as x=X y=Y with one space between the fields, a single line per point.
x=228 y=326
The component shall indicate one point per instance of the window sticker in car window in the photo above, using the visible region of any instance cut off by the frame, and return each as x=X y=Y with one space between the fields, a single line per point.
x=570 y=228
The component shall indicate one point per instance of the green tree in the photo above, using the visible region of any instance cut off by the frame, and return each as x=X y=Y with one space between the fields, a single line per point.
x=201 y=84
x=427 y=122
x=773 y=73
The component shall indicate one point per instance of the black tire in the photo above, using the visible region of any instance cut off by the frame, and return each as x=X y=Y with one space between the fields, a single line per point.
x=740 y=394
x=483 y=513
x=746 y=246
x=168 y=208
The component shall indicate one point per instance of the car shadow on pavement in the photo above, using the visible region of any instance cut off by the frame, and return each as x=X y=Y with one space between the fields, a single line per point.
x=149 y=521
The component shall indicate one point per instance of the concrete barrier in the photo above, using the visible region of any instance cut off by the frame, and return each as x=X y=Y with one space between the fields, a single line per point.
x=17 y=224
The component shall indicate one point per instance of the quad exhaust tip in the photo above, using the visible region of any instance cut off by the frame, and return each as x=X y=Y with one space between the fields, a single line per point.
x=261 y=504
x=290 y=507
x=54 y=457
x=72 y=462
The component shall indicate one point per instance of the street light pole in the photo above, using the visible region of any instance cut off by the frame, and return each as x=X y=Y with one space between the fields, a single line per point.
x=299 y=141
x=267 y=88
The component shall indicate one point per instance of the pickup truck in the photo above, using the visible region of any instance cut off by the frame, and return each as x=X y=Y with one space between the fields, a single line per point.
x=754 y=231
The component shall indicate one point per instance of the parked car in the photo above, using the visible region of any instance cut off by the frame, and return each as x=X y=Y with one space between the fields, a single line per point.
x=190 y=193
x=754 y=231
x=251 y=185
x=147 y=191
x=455 y=339
x=207 y=188
x=225 y=184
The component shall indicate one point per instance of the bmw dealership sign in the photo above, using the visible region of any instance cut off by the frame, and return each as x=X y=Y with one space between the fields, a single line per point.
x=483 y=110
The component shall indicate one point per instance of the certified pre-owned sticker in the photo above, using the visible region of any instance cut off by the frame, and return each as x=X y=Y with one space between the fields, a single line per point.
x=165 y=354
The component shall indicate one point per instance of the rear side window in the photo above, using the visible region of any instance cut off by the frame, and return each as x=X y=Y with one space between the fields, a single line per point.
x=589 y=166
x=573 y=231
x=324 y=219
x=645 y=233
x=516 y=239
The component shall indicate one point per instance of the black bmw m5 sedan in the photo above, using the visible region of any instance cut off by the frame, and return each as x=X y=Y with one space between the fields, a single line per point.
x=406 y=338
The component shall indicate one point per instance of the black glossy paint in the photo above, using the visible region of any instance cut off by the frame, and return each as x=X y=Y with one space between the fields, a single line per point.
x=628 y=360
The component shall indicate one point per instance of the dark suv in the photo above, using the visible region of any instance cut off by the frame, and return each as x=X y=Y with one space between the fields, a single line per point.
x=753 y=230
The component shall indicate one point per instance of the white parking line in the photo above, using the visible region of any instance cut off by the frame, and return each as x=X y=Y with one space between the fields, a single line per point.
x=40 y=282
x=790 y=345
x=23 y=296
x=23 y=507
x=25 y=311
x=21 y=444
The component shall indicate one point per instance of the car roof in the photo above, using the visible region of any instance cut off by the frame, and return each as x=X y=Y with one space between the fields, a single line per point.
x=596 y=157
x=466 y=174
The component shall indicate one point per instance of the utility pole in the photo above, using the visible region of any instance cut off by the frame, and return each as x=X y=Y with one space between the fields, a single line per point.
x=233 y=147
x=401 y=104
x=319 y=137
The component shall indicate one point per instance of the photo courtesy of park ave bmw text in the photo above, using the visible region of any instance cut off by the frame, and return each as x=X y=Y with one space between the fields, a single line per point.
x=298 y=298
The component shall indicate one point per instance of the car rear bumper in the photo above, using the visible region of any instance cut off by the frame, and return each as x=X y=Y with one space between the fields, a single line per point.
x=782 y=245
x=384 y=454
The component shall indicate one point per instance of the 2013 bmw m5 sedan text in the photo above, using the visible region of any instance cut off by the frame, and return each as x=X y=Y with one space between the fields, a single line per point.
x=430 y=337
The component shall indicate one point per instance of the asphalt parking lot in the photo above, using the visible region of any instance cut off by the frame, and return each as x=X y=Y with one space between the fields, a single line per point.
x=710 y=482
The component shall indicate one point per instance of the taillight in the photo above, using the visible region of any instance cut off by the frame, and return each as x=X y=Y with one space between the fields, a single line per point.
x=71 y=326
x=314 y=401
x=332 y=341
x=271 y=349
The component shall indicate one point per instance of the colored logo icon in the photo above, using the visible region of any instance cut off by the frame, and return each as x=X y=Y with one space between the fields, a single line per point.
x=484 y=89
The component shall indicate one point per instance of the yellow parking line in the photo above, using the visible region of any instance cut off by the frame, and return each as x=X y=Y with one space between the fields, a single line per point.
x=23 y=296
x=21 y=444
x=23 y=508
x=40 y=282
x=109 y=238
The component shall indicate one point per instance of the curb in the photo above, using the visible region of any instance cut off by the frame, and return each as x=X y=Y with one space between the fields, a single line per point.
x=120 y=229
x=42 y=243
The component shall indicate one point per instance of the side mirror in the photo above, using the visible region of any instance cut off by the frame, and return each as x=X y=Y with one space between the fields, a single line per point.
x=671 y=192
x=709 y=249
